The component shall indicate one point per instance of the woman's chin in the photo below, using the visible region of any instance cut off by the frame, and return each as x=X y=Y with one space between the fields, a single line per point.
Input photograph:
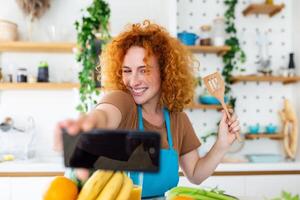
x=140 y=99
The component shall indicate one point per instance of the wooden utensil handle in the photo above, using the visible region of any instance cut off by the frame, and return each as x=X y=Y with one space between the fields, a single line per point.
x=229 y=117
x=226 y=109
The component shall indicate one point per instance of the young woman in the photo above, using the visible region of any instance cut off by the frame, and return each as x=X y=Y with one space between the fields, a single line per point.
x=148 y=76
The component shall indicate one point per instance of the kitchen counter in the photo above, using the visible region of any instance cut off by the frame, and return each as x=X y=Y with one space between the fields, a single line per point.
x=54 y=166
x=32 y=167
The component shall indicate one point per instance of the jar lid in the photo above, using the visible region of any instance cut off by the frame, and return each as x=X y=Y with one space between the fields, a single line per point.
x=206 y=28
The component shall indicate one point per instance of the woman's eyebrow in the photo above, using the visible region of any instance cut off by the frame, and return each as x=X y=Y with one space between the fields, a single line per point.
x=139 y=67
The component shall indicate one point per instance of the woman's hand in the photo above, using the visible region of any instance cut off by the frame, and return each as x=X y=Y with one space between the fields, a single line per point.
x=107 y=116
x=75 y=126
x=228 y=130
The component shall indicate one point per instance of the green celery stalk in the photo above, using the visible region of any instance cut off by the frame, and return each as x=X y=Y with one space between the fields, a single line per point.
x=197 y=193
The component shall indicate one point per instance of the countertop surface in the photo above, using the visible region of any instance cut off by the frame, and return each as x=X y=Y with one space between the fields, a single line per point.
x=56 y=165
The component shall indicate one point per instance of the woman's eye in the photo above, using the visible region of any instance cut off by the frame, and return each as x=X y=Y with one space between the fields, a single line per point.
x=126 y=71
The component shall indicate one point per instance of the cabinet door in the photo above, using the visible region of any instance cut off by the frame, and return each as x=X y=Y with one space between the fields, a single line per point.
x=233 y=185
x=31 y=188
x=272 y=185
x=5 y=186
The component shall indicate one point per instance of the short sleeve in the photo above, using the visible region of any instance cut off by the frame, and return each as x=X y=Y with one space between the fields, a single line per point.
x=122 y=100
x=190 y=141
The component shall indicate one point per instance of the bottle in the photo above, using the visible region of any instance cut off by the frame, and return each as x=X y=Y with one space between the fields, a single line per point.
x=291 y=67
x=219 y=32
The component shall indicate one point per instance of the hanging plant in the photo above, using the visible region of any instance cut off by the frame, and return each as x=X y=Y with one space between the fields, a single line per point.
x=94 y=24
x=235 y=55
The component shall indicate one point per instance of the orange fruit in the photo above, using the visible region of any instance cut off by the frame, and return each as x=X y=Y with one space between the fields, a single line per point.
x=61 y=188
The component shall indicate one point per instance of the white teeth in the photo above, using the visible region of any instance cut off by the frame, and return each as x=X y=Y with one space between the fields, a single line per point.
x=139 y=90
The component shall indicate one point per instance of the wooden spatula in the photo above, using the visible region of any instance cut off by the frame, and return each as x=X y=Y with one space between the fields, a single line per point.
x=215 y=86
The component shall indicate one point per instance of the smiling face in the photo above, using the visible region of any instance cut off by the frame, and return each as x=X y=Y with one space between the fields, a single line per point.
x=144 y=83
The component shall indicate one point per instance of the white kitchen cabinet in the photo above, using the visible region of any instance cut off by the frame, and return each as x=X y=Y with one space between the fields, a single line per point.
x=233 y=185
x=31 y=188
x=5 y=185
x=272 y=185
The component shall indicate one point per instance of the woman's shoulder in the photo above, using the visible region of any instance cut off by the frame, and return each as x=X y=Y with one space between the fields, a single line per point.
x=117 y=98
x=116 y=95
x=179 y=114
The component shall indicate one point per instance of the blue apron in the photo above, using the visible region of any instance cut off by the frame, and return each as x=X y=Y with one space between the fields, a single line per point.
x=156 y=184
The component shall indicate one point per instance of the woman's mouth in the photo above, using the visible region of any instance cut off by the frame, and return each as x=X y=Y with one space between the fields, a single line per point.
x=138 y=91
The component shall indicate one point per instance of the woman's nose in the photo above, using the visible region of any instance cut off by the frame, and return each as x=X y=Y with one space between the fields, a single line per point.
x=135 y=80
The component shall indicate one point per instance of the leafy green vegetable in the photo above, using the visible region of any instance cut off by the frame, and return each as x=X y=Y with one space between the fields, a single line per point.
x=198 y=193
x=287 y=196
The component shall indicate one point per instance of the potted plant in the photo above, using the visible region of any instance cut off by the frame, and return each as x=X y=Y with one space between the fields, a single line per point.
x=43 y=72
x=94 y=23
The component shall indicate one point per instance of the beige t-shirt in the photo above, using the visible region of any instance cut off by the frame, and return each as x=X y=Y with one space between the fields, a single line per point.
x=183 y=134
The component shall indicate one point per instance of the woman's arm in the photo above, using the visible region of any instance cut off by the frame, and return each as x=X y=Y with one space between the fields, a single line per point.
x=197 y=169
x=104 y=116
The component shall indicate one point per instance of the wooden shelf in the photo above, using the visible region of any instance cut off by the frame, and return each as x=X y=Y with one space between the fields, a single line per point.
x=274 y=136
x=204 y=106
x=267 y=9
x=220 y=50
x=49 y=47
x=284 y=80
x=38 y=86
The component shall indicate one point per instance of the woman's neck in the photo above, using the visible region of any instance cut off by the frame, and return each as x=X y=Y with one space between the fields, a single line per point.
x=151 y=109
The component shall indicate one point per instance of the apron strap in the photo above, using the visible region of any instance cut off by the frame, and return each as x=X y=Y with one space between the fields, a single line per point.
x=140 y=116
x=168 y=125
x=167 y=120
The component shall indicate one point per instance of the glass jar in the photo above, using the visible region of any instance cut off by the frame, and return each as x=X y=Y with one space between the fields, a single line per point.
x=205 y=36
x=219 y=32
x=22 y=75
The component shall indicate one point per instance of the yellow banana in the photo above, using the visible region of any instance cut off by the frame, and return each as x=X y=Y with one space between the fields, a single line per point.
x=125 y=191
x=112 y=188
x=94 y=185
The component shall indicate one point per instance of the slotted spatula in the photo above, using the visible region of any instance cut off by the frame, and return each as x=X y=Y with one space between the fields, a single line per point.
x=215 y=86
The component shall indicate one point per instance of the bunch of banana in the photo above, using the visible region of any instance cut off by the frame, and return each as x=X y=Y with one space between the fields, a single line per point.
x=106 y=185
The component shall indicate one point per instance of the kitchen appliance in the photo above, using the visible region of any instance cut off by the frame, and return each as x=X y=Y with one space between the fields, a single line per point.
x=124 y=150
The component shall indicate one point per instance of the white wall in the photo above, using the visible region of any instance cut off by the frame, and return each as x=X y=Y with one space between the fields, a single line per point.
x=48 y=107
x=296 y=47
x=256 y=102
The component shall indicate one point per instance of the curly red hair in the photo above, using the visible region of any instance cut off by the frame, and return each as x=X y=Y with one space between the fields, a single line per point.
x=175 y=61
